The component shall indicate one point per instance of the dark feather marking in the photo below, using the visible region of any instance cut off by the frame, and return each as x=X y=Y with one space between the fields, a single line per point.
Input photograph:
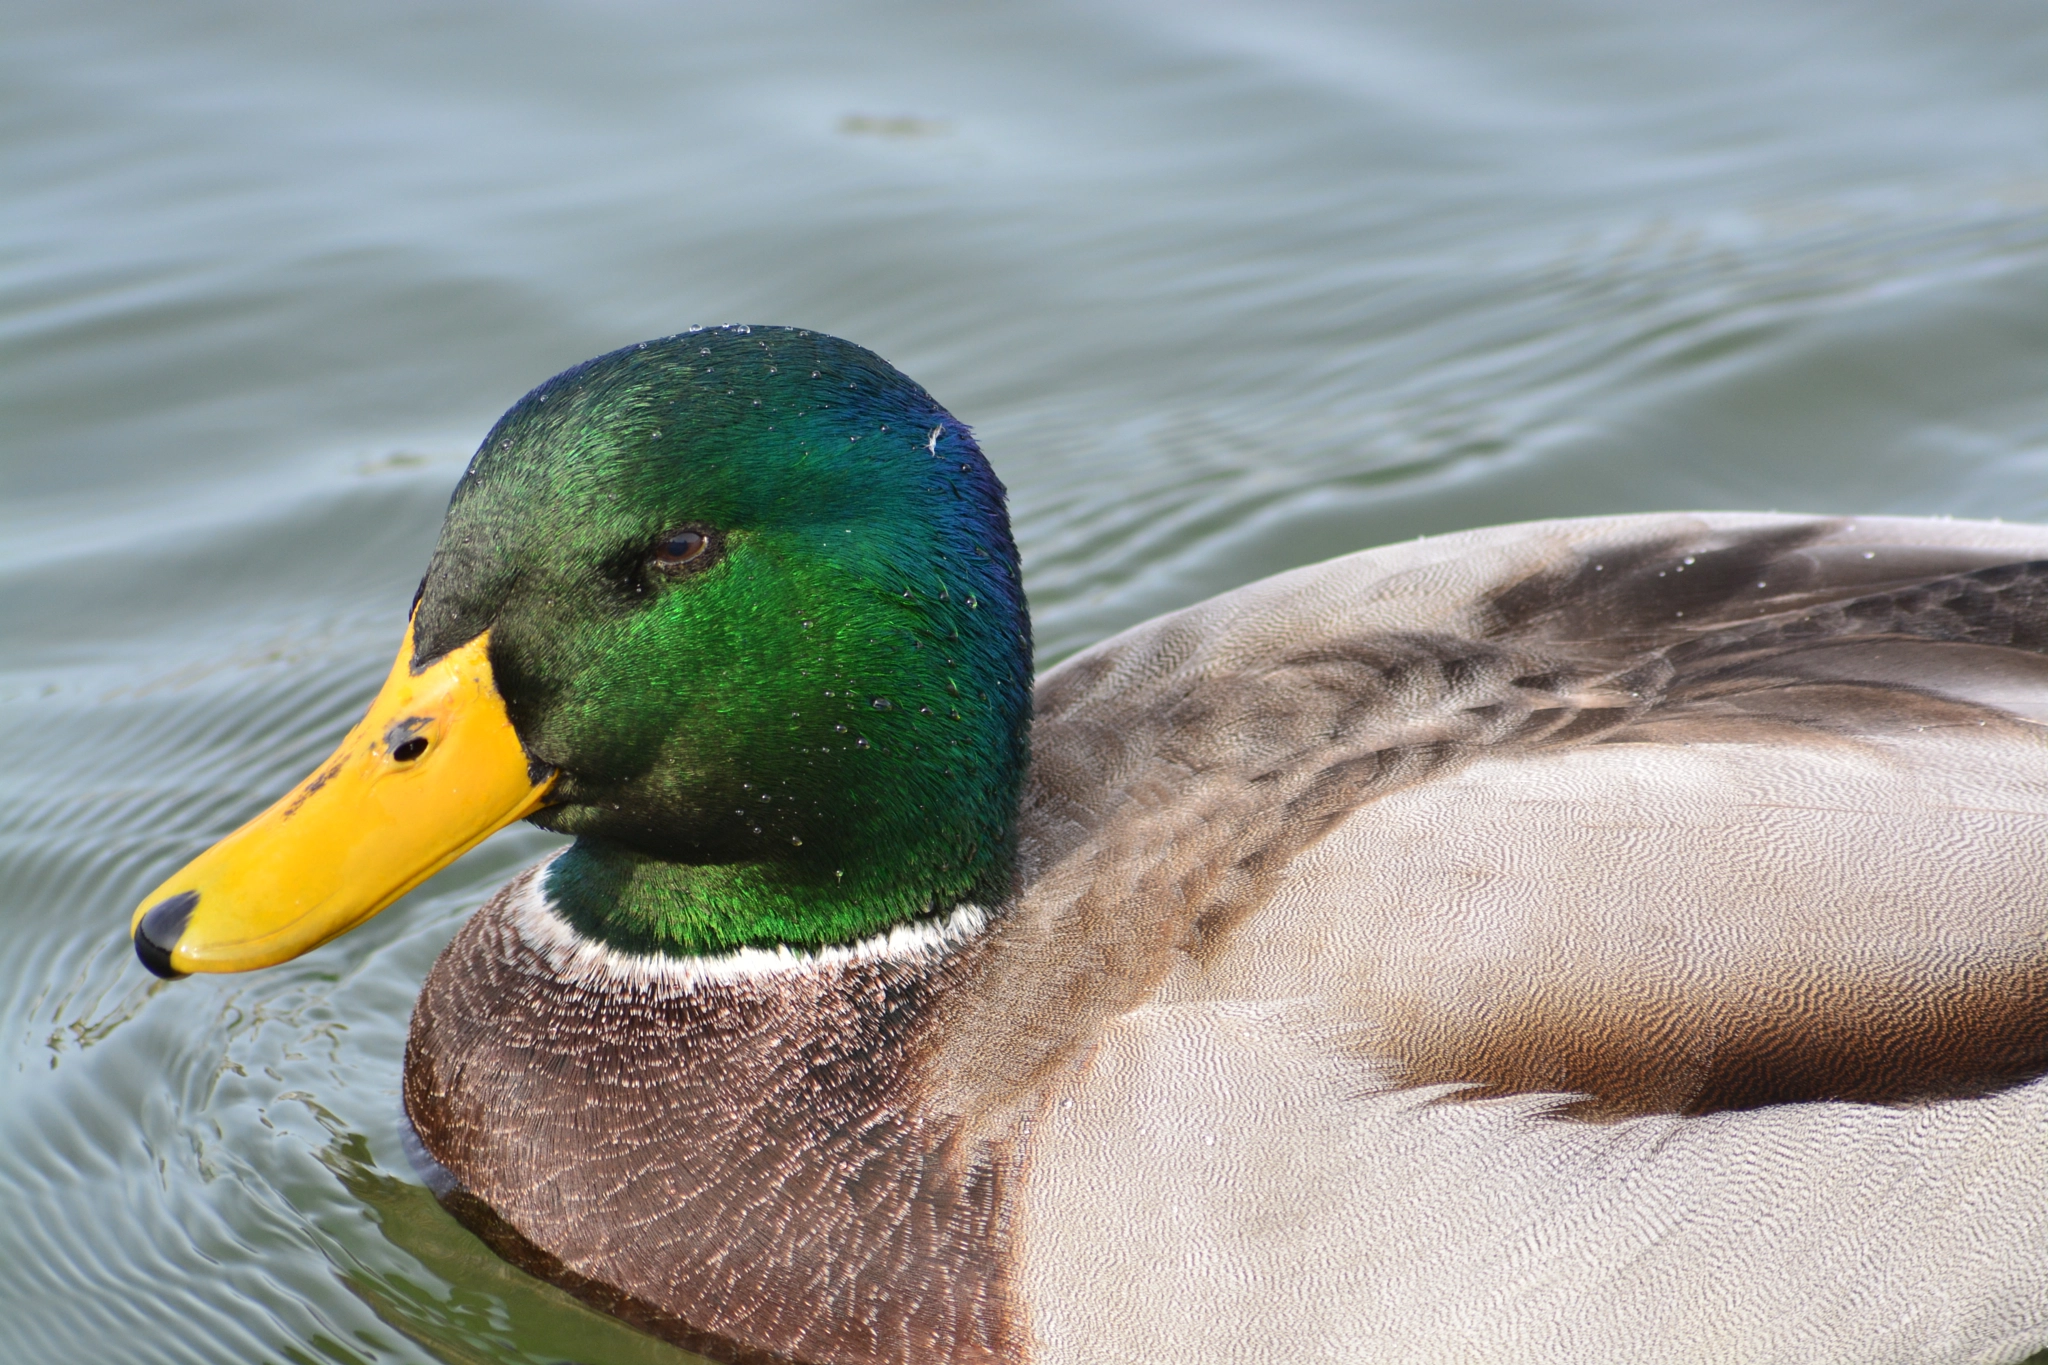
x=1872 y=1038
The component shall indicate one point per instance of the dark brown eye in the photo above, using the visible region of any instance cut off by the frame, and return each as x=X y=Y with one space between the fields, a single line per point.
x=680 y=549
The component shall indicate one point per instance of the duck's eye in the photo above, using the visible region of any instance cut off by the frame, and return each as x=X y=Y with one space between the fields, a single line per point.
x=681 y=549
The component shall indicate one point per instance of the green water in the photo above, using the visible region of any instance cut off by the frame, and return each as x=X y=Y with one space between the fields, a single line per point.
x=1223 y=288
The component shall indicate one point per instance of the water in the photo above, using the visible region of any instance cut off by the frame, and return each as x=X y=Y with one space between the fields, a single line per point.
x=1224 y=289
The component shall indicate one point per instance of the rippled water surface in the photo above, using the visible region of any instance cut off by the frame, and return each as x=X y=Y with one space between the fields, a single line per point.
x=1223 y=288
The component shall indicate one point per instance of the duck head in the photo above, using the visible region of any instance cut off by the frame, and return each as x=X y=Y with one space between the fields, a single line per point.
x=739 y=610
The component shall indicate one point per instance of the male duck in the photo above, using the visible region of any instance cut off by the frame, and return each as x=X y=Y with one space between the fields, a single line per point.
x=1606 y=940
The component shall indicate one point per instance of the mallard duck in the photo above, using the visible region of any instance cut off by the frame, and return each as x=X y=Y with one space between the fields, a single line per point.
x=1621 y=939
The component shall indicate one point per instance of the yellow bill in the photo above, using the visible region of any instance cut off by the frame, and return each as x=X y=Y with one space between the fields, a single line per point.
x=430 y=772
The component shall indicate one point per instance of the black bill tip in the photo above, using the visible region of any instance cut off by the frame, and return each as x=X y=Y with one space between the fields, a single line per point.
x=159 y=930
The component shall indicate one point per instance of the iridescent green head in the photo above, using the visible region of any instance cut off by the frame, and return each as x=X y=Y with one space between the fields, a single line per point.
x=753 y=593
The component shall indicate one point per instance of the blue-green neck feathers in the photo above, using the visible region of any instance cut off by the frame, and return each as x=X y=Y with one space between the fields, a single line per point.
x=754 y=593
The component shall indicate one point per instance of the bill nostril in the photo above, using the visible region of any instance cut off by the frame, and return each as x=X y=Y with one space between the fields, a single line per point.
x=406 y=740
x=159 y=930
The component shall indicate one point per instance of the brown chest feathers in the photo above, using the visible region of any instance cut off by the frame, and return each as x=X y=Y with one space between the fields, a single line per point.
x=744 y=1167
